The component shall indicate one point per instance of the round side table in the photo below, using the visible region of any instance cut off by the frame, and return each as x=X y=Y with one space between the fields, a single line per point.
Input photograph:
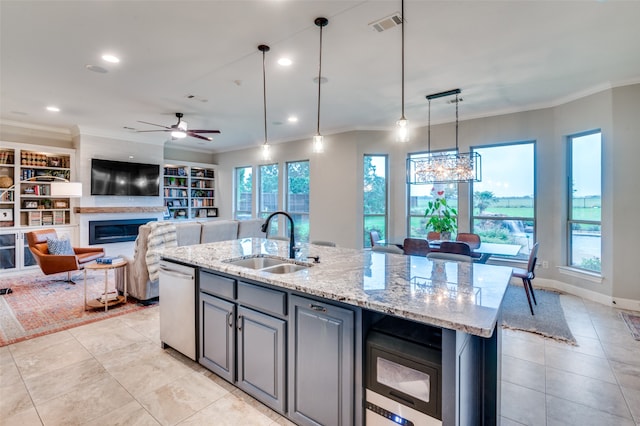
x=98 y=303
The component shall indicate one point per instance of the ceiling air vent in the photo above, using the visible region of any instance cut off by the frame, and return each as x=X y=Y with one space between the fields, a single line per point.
x=386 y=22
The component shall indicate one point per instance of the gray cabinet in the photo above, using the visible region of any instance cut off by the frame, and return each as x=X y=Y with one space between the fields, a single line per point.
x=243 y=336
x=321 y=363
x=261 y=357
x=218 y=336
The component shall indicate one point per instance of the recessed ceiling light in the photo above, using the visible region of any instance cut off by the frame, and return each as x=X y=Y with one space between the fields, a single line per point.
x=96 y=68
x=292 y=119
x=53 y=108
x=285 y=62
x=111 y=58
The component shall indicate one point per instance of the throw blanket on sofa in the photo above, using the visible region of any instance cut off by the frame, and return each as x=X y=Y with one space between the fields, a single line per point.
x=162 y=235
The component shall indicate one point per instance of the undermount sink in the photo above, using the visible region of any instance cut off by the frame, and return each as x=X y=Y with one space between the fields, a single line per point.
x=255 y=262
x=272 y=265
x=284 y=268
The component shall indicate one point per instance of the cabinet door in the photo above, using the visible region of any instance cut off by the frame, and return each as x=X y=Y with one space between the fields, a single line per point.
x=261 y=357
x=217 y=336
x=321 y=363
x=8 y=251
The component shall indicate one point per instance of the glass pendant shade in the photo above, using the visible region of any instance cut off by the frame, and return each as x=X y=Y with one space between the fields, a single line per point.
x=266 y=152
x=445 y=168
x=318 y=144
x=402 y=130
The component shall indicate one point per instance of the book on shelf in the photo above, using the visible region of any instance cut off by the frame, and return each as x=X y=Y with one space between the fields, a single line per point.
x=110 y=260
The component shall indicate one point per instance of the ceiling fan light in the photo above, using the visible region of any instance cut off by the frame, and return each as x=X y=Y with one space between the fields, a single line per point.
x=178 y=134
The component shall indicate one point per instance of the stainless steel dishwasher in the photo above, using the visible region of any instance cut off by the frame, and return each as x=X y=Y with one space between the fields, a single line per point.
x=178 y=308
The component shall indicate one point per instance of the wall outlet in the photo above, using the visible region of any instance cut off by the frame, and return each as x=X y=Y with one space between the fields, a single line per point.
x=545 y=264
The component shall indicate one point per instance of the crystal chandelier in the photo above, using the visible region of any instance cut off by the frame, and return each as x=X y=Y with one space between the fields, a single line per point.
x=444 y=167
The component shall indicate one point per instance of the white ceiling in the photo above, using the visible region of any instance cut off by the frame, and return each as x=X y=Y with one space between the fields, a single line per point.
x=504 y=55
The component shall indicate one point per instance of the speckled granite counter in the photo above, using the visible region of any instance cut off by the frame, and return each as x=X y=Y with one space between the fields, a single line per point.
x=457 y=296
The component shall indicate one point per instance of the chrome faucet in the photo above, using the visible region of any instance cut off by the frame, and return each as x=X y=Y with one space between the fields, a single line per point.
x=292 y=243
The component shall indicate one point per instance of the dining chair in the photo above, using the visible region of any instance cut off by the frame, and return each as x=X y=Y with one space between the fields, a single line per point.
x=528 y=275
x=433 y=236
x=416 y=247
x=387 y=249
x=455 y=247
x=473 y=240
x=449 y=256
x=375 y=237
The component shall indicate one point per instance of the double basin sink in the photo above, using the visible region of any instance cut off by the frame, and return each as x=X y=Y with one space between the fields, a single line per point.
x=273 y=265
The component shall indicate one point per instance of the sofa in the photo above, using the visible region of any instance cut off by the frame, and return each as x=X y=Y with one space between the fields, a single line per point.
x=142 y=281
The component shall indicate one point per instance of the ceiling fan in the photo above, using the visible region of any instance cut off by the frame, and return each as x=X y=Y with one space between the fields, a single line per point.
x=180 y=130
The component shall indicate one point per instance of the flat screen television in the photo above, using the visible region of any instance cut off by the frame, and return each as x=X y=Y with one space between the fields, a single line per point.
x=124 y=178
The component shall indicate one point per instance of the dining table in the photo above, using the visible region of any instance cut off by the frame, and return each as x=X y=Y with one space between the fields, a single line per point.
x=482 y=253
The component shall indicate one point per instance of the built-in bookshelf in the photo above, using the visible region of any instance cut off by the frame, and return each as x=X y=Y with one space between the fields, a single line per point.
x=26 y=174
x=189 y=191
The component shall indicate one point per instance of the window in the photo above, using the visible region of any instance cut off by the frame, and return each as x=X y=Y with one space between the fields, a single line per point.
x=375 y=196
x=504 y=201
x=585 y=190
x=268 y=201
x=420 y=195
x=298 y=198
x=243 y=192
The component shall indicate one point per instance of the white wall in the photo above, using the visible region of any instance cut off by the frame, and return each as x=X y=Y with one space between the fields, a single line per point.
x=88 y=147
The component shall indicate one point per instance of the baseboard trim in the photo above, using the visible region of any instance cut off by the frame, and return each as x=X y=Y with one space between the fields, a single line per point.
x=620 y=303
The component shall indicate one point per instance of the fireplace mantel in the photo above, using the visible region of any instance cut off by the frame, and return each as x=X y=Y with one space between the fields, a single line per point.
x=143 y=209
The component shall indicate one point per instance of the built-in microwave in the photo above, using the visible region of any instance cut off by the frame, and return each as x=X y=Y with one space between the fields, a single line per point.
x=403 y=374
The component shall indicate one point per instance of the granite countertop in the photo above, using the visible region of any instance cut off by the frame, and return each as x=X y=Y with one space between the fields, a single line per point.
x=459 y=296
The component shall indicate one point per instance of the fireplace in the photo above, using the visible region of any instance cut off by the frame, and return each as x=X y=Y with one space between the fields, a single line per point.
x=114 y=231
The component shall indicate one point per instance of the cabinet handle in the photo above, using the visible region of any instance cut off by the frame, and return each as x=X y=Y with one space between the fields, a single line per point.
x=317 y=307
x=240 y=319
x=230 y=319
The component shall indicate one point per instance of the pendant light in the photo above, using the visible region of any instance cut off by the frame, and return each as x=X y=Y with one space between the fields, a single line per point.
x=441 y=167
x=318 y=140
x=402 y=125
x=266 y=152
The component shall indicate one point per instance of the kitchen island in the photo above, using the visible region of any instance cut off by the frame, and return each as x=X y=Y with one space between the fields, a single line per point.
x=354 y=289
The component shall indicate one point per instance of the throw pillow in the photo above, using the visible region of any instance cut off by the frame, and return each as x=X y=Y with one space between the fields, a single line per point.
x=59 y=247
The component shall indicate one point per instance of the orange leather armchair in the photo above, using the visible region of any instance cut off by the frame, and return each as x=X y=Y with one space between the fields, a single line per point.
x=54 y=264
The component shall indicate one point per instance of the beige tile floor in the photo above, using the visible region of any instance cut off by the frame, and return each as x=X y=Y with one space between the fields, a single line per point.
x=115 y=373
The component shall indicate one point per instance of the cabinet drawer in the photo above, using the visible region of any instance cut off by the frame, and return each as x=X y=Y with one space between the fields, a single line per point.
x=263 y=299
x=217 y=285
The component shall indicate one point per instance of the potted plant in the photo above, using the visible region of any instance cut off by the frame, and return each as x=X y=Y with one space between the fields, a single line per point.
x=441 y=218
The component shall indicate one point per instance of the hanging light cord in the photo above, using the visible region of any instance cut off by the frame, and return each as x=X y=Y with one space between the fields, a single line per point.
x=429 y=129
x=402 y=30
x=457 y=124
x=264 y=95
x=319 y=79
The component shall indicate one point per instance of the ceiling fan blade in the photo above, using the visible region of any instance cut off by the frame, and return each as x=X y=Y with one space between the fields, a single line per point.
x=205 y=131
x=193 y=135
x=153 y=124
x=147 y=131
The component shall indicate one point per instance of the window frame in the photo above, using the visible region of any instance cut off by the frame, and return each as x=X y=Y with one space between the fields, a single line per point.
x=287 y=207
x=570 y=199
x=366 y=241
x=259 y=202
x=408 y=189
x=236 y=202
x=534 y=219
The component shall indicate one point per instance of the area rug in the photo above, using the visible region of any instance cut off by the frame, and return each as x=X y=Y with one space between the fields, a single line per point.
x=633 y=323
x=37 y=305
x=548 y=321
